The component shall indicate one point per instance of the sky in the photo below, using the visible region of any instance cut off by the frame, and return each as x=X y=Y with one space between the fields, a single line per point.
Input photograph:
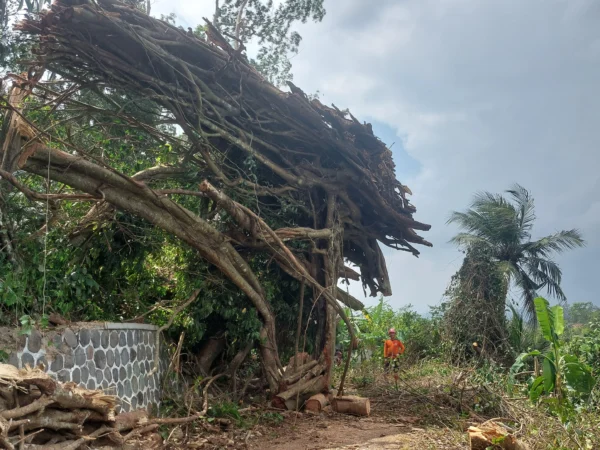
x=474 y=95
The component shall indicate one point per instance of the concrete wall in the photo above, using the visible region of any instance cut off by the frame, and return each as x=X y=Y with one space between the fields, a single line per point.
x=113 y=357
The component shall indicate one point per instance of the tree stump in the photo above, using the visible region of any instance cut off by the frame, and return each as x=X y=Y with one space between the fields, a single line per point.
x=493 y=435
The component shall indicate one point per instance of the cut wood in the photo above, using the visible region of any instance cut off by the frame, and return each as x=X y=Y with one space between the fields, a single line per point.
x=316 y=403
x=493 y=435
x=61 y=415
x=301 y=391
x=351 y=404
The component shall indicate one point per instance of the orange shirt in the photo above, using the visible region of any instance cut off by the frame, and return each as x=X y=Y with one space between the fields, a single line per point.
x=393 y=348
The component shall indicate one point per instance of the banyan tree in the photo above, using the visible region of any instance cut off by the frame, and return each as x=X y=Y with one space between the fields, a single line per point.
x=255 y=150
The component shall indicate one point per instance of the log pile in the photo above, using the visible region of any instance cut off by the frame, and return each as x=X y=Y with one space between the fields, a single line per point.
x=38 y=412
x=300 y=383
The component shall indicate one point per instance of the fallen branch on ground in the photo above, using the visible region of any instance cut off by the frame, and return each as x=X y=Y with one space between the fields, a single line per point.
x=62 y=415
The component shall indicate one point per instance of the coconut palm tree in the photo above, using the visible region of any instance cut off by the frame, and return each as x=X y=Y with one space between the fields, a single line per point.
x=504 y=227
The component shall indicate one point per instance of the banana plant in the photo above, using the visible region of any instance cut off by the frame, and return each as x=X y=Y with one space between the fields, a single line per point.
x=563 y=376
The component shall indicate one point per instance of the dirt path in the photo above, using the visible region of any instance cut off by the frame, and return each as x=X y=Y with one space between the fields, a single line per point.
x=336 y=432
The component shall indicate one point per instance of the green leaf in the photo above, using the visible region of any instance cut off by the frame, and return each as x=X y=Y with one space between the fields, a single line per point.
x=537 y=389
x=559 y=319
x=578 y=375
x=549 y=375
x=544 y=317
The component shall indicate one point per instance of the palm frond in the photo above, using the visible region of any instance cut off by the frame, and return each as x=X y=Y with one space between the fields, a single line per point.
x=525 y=207
x=467 y=240
x=555 y=243
x=528 y=290
x=493 y=221
x=545 y=268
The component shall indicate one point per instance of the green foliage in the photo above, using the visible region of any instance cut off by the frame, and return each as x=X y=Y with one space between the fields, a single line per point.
x=586 y=346
x=420 y=335
x=271 y=27
x=227 y=410
x=582 y=313
x=474 y=311
x=522 y=335
x=565 y=379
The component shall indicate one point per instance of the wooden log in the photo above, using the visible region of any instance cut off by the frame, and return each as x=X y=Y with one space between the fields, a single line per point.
x=316 y=403
x=351 y=404
x=301 y=358
x=308 y=370
x=289 y=373
x=301 y=391
x=302 y=376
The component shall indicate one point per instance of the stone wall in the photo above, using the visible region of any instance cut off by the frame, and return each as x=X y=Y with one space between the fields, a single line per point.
x=114 y=357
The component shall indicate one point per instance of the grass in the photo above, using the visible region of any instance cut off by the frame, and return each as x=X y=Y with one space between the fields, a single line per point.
x=448 y=399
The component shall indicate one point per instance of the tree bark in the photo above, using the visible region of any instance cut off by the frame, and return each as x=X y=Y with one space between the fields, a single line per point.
x=209 y=352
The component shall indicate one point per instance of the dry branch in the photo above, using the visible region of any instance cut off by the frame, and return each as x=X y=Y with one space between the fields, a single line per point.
x=65 y=416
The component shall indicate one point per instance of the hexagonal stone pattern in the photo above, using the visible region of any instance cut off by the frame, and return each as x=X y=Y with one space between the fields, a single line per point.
x=114 y=360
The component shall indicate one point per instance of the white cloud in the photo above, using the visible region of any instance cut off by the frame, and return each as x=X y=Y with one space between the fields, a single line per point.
x=483 y=94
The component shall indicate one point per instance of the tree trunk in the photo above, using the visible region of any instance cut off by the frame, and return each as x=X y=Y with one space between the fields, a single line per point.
x=209 y=352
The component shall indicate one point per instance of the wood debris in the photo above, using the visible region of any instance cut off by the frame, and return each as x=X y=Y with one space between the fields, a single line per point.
x=495 y=436
x=37 y=411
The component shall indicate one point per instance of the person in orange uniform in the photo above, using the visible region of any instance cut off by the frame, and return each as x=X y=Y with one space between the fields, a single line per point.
x=392 y=349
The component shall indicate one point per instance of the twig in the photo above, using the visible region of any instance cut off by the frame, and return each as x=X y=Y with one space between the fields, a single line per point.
x=167 y=325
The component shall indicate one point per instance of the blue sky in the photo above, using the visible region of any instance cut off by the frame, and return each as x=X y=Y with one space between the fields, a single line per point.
x=406 y=165
x=476 y=95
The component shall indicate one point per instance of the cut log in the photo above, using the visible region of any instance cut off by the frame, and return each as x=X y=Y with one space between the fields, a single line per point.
x=316 y=403
x=302 y=375
x=290 y=373
x=301 y=358
x=351 y=404
x=301 y=391
x=493 y=435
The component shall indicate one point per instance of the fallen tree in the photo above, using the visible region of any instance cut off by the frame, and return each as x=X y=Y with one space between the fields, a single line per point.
x=319 y=159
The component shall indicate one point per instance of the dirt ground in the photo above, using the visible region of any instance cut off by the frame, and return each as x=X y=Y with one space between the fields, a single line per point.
x=400 y=419
x=334 y=431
